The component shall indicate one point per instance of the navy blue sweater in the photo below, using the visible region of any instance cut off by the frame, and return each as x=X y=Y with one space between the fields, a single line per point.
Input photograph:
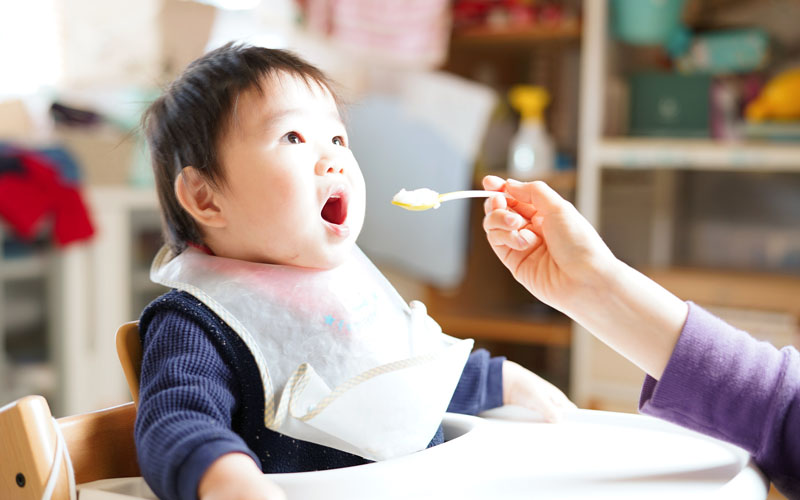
x=201 y=397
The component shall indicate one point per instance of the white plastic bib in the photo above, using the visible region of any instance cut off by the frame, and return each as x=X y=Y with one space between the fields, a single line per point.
x=344 y=361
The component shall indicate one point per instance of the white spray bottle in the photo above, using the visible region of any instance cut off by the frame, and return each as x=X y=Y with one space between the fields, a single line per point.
x=531 y=154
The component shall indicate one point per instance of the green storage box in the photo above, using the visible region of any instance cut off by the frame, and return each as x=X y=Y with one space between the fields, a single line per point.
x=670 y=105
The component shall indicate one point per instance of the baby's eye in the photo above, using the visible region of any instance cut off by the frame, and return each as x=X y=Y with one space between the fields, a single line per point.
x=338 y=140
x=294 y=138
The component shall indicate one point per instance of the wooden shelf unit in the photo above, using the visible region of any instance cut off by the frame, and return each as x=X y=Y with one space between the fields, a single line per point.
x=28 y=323
x=563 y=181
x=552 y=331
x=698 y=154
x=522 y=35
x=599 y=376
x=736 y=289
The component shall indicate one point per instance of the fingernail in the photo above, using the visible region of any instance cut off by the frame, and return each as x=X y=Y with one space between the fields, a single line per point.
x=521 y=240
x=514 y=182
x=510 y=219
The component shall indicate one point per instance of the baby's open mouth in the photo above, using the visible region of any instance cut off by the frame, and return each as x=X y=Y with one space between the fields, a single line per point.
x=335 y=209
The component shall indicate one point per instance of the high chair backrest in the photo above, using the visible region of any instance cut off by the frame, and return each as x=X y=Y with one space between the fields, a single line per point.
x=129 y=351
x=99 y=445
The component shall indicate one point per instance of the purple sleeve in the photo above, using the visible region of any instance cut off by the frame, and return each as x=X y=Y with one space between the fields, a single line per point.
x=481 y=385
x=187 y=399
x=722 y=382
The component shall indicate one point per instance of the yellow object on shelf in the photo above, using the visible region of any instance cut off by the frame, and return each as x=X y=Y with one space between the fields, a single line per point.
x=779 y=99
x=531 y=152
x=529 y=100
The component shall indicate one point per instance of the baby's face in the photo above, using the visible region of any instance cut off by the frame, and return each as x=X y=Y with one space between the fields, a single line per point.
x=295 y=194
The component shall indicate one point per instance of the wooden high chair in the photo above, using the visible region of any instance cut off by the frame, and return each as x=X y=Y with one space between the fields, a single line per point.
x=129 y=351
x=99 y=445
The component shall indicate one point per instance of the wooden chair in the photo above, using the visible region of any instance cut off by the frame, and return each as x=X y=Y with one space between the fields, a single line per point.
x=129 y=351
x=99 y=445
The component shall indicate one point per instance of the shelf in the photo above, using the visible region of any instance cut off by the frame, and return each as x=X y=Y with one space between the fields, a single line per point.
x=554 y=331
x=22 y=313
x=21 y=268
x=768 y=302
x=700 y=154
x=735 y=289
x=524 y=35
x=561 y=181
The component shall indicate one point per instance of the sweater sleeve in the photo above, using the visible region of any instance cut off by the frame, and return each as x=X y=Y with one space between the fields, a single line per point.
x=481 y=385
x=722 y=382
x=187 y=399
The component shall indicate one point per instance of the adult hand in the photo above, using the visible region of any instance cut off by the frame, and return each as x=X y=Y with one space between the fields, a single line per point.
x=559 y=257
x=546 y=244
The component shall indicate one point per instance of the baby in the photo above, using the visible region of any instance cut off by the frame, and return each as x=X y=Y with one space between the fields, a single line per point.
x=281 y=348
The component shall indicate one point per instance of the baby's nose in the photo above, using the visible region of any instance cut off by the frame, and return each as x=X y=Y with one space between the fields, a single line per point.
x=328 y=166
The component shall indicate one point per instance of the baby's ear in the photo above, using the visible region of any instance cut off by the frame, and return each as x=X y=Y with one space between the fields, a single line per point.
x=199 y=198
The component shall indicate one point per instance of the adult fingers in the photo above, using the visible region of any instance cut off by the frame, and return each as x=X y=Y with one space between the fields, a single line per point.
x=508 y=220
x=536 y=193
x=494 y=203
x=501 y=202
x=524 y=209
x=503 y=219
x=514 y=240
x=510 y=229
x=493 y=183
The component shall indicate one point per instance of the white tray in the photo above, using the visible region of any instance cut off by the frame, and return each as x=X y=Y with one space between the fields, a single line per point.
x=592 y=454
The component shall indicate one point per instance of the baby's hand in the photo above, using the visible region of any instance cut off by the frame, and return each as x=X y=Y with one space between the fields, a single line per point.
x=522 y=387
x=236 y=477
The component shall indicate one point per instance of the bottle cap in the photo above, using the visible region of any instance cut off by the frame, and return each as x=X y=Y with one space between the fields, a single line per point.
x=529 y=100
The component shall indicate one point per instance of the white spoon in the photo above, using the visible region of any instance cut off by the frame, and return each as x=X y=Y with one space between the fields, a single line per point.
x=424 y=198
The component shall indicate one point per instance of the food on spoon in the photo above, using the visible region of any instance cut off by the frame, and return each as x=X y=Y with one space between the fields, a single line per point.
x=422 y=197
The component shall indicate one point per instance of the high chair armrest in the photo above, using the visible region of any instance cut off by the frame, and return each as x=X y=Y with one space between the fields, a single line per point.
x=100 y=443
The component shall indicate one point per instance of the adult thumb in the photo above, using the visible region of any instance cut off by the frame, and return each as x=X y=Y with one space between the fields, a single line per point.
x=536 y=193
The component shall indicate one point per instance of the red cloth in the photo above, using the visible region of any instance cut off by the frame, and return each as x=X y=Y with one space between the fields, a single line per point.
x=28 y=197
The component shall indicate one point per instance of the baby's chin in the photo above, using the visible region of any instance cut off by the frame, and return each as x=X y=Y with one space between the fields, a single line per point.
x=327 y=259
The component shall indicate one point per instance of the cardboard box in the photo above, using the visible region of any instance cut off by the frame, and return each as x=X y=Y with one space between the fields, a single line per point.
x=15 y=121
x=104 y=153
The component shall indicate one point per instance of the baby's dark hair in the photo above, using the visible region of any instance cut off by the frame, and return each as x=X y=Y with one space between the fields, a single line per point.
x=185 y=125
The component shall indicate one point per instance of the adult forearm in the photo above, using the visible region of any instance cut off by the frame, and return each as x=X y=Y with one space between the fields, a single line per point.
x=632 y=314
